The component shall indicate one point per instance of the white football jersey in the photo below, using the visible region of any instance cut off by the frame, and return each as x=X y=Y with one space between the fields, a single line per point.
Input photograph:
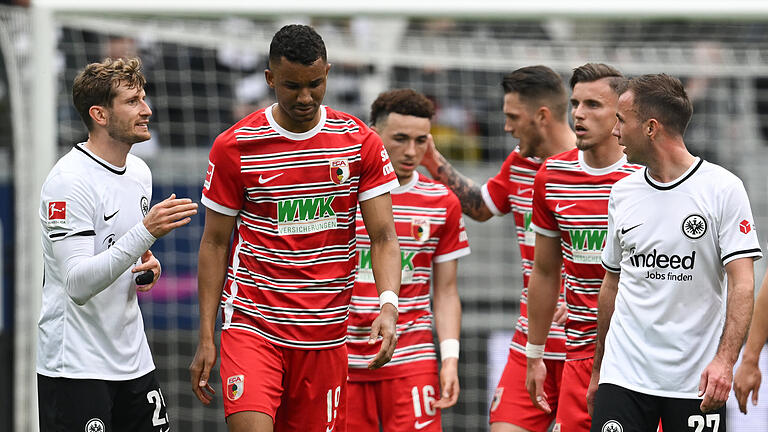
x=671 y=242
x=104 y=338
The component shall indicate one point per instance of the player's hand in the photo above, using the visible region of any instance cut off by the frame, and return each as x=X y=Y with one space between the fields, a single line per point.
x=148 y=262
x=449 y=383
x=591 y=391
x=431 y=159
x=715 y=384
x=561 y=314
x=200 y=371
x=168 y=215
x=535 y=376
x=746 y=380
x=385 y=325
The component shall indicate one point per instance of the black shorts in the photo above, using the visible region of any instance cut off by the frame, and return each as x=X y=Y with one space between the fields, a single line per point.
x=618 y=409
x=90 y=405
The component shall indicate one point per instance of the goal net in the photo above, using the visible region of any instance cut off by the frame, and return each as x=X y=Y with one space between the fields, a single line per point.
x=205 y=71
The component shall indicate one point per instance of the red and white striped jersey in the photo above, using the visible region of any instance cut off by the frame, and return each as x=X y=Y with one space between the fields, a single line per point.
x=291 y=268
x=430 y=229
x=570 y=201
x=511 y=190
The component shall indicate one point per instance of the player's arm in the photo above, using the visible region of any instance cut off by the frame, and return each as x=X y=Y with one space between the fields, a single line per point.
x=385 y=260
x=447 y=311
x=469 y=192
x=543 y=294
x=211 y=275
x=87 y=274
x=748 y=376
x=606 y=302
x=715 y=383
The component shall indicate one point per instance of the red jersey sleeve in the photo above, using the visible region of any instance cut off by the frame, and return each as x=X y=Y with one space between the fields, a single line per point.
x=543 y=219
x=453 y=241
x=377 y=176
x=223 y=189
x=498 y=189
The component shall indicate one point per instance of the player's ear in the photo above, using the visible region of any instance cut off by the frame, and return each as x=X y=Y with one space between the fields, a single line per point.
x=99 y=115
x=270 y=77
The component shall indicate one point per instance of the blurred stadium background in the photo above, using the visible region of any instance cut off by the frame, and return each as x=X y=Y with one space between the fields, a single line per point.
x=204 y=61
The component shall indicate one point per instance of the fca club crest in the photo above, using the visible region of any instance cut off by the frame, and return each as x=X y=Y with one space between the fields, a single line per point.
x=694 y=226
x=235 y=387
x=420 y=229
x=339 y=170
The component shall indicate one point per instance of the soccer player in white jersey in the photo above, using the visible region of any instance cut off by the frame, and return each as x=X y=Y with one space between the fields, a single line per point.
x=535 y=110
x=95 y=370
x=570 y=207
x=287 y=180
x=668 y=336
x=407 y=393
x=748 y=377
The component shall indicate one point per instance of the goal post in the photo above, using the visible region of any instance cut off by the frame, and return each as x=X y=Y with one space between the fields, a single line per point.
x=204 y=61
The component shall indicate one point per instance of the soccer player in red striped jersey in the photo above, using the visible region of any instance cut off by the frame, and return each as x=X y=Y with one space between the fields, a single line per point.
x=570 y=208
x=535 y=110
x=288 y=180
x=407 y=394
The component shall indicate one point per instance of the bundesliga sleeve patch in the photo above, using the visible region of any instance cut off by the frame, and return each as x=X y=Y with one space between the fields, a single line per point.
x=209 y=175
x=57 y=212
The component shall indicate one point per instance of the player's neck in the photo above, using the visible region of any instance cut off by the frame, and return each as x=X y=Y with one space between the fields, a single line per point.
x=604 y=154
x=669 y=161
x=561 y=139
x=103 y=146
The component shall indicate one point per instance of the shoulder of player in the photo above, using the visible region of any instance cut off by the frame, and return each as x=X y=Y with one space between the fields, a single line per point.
x=433 y=187
x=136 y=165
x=255 y=122
x=341 y=122
x=567 y=157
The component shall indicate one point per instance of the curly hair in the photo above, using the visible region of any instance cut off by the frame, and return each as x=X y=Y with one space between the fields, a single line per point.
x=401 y=101
x=298 y=44
x=97 y=83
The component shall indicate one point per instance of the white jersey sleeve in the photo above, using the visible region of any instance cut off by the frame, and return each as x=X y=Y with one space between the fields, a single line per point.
x=736 y=233
x=66 y=206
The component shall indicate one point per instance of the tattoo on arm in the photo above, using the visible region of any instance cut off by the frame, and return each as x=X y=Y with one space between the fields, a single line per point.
x=466 y=189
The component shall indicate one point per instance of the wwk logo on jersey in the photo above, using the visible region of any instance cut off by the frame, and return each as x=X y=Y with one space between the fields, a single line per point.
x=235 y=387
x=339 y=170
x=587 y=245
x=365 y=266
x=305 y=215
x=209 y=175
x=420 y=229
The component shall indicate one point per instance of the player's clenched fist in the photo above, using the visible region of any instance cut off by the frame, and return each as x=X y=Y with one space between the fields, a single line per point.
x=169 y=214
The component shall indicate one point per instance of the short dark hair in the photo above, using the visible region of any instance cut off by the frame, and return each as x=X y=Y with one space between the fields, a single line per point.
x=401 y=101
x=662 y=97
x=540 y=85
x=97 y=83
x=298 y=44
x=592 y=72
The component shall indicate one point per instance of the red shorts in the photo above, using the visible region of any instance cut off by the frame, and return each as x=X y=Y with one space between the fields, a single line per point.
x=511 y=402
x=572 y=415
x=398 y=404
x=299 y=389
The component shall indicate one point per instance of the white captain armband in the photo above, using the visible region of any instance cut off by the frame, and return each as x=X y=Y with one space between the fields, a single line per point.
x=390 y=297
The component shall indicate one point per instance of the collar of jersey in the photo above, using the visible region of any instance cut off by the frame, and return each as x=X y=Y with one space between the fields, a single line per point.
x=674 y=183
x=111 y=168
x=406 y=187
x=293 y=135
x=600 y=171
